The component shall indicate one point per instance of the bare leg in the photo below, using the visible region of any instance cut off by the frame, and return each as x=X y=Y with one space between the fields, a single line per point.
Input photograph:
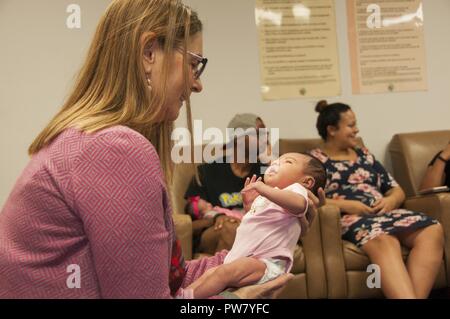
x=425 y=258
x=209 y=241
x=385 y=251
x=239 y=273
x=227 y=236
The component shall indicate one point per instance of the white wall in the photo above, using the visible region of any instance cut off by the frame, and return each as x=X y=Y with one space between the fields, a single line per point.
x=232 y=81
x=39 y=57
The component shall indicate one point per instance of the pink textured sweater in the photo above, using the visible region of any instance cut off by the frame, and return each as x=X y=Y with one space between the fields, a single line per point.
x=98 y=201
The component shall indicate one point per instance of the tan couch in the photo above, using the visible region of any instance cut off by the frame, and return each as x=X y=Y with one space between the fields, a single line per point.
x=346 y=264
x=308 y=267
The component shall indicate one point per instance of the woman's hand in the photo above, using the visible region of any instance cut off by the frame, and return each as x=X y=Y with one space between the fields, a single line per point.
x=250 y=191
x=384 y=205
x=268 y=290
x=355 y=207
x=314 y=203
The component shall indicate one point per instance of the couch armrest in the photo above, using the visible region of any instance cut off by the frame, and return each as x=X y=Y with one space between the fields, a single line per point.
x=315 y=270
x=436 y=206
x=330 y=224
x=183 y=229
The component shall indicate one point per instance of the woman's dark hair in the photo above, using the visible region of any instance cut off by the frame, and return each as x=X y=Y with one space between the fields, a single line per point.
x=329 y=114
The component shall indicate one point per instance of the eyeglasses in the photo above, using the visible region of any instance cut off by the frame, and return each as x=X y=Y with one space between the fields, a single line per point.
x=201 y=65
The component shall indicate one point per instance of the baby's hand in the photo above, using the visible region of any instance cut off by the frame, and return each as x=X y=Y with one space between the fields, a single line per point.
x=252 y=185
x=250 y=191
x=256 y=187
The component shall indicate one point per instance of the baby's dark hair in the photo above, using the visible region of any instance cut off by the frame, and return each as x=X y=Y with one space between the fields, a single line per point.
x=329 y=114
x=317 y=170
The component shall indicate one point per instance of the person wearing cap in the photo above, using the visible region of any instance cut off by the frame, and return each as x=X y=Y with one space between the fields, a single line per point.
x=220 y=184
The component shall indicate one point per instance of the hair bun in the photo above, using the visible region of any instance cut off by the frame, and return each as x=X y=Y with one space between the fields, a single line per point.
x=321 y=106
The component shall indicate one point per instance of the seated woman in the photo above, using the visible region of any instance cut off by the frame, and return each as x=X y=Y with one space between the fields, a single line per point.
x=370 y=200
x=438 y=172
x=219 y=185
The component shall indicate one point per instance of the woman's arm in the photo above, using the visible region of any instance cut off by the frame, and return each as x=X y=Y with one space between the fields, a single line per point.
x=122 y=204
x=352 y=207
x=314 y=203
x=397 y=195
x=435 y=175
x=393 y=199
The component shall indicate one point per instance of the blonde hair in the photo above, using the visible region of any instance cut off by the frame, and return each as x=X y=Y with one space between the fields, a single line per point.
x=111 y=88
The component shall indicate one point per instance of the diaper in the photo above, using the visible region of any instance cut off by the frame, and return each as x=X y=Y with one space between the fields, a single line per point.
x=274 y=268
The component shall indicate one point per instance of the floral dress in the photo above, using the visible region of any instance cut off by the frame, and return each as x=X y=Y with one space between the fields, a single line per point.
x=366 y=180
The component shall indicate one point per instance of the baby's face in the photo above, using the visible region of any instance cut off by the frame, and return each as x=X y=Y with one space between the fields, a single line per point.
x=286 y=170
x=204 y=206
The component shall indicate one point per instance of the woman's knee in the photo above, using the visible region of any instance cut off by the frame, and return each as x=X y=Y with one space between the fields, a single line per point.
x=381 y=243
x=437 y=231
x=432 y=234
x=228 y=232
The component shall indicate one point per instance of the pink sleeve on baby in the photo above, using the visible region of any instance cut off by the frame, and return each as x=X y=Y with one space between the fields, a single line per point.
x=302 y=191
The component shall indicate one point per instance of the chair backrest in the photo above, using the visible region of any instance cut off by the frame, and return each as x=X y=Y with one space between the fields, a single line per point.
x=304 y=145
x=411 y=153
x=183 y=174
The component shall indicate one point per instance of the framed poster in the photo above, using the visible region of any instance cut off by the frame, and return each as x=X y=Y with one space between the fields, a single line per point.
x=298 y=48
x=387 y=47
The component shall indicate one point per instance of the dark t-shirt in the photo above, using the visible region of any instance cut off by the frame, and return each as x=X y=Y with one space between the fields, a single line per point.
x=446 y=171
x=220 y=186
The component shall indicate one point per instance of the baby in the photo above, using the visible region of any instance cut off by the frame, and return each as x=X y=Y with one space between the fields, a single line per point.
x=199 y=208
x=269 y=231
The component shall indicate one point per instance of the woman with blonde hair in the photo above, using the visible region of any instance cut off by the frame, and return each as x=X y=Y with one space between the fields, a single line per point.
x=91 y=210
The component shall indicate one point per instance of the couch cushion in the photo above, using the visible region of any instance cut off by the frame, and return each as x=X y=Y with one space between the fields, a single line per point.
x=296 y=288
x=299 y=265
x=182 y=176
